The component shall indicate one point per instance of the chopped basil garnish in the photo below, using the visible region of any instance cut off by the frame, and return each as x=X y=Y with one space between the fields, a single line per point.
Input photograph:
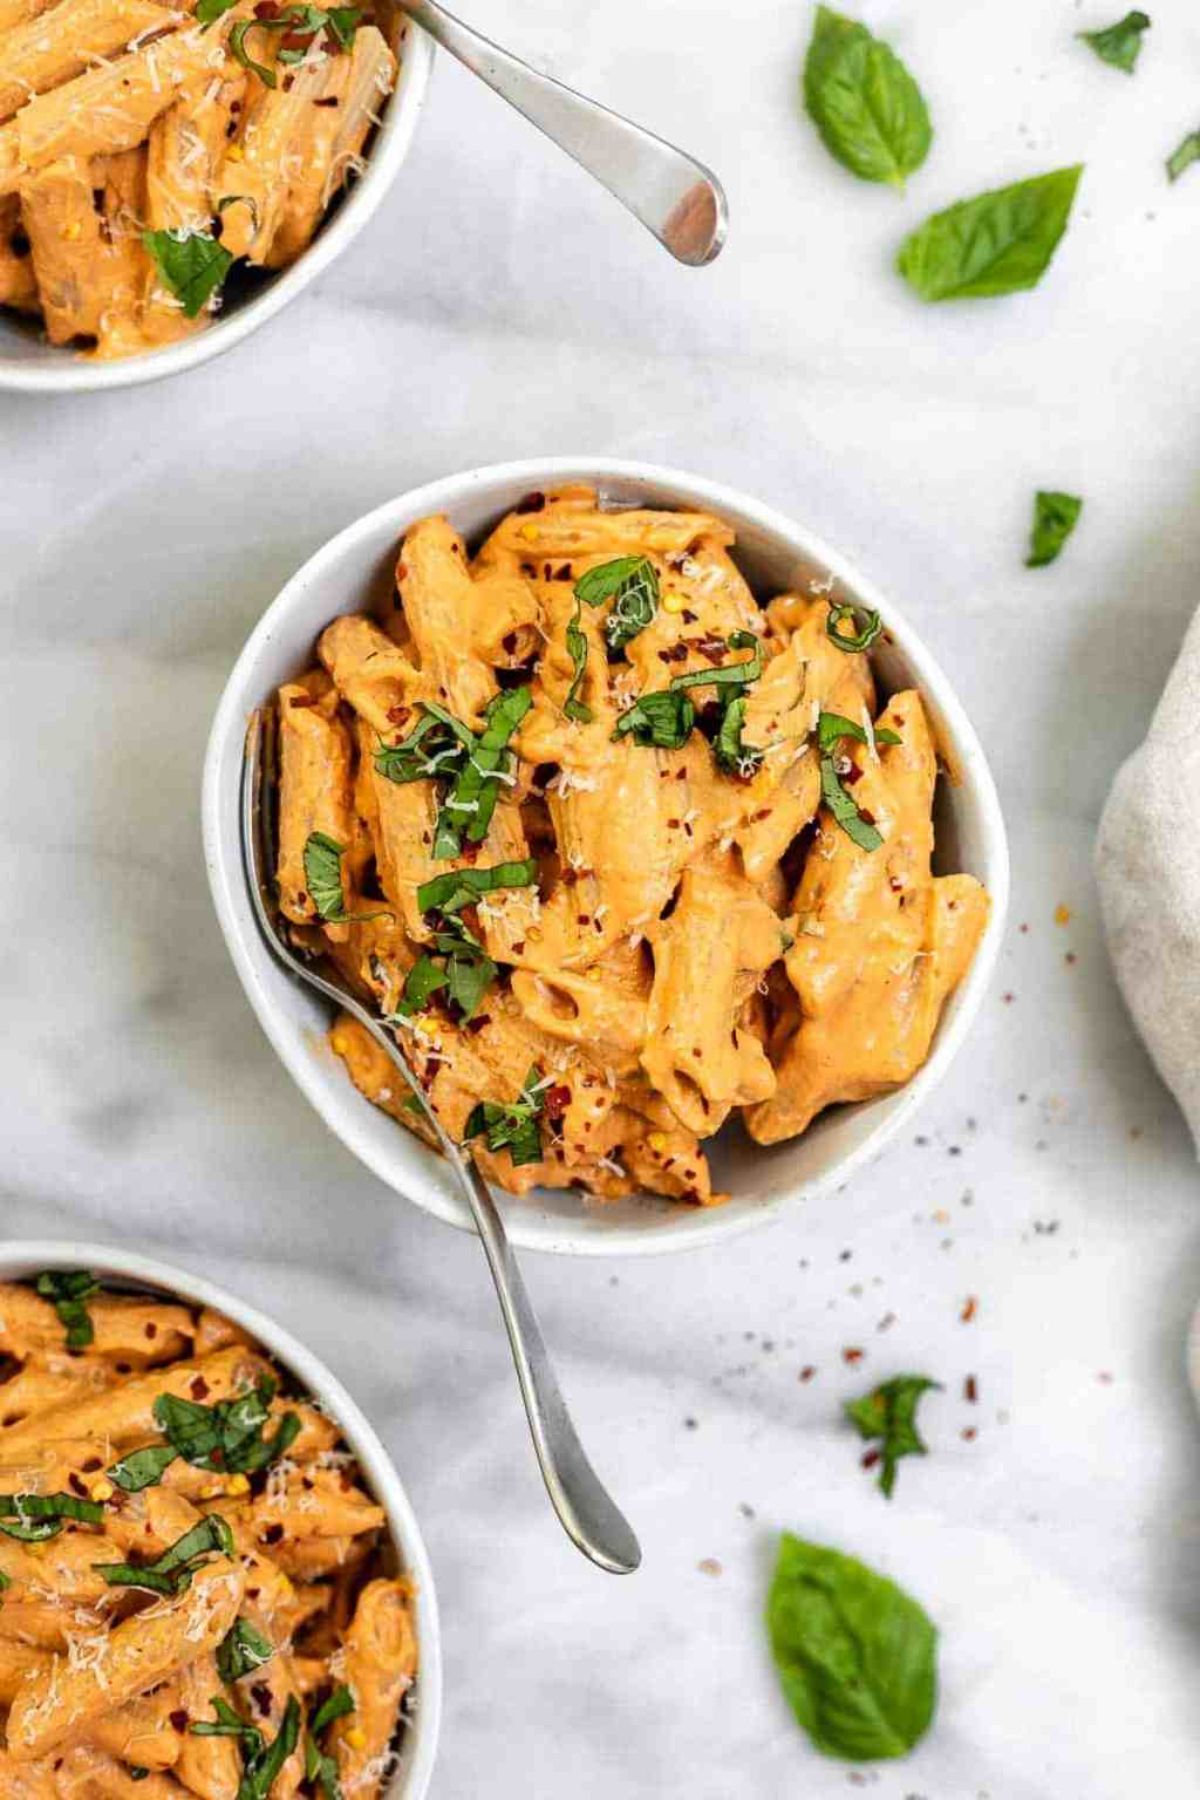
x=832 y=726
x=69 y=1289
x=869 y=111
x=631 y=583
x=1055 y=517
x=142 y=1468
x=857 y=1657
x=513 y=1127
x=261 y=1763
x=339 y=1703
x=728 y=674
x=889 y=1413
x=441 y=748
x=209 y=11
x=227 y=1437
x=1119 y=44
x=1183 y=158
x=32 y=1518
x=733 y=754
x=192 y=263
x=172 y=1572
x=844 y=809
x=457 y=888
x=1000 y=242
x=5 y=1582
x=323 y=876
x=662 y=720
x=466 y=974
x=859 y=639
x=577 y=650
x=319 y=1768
x=228 y=1724
x=242 y=1650
x=301 y=22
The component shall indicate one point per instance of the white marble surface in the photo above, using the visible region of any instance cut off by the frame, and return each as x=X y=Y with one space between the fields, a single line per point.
x=499 y=307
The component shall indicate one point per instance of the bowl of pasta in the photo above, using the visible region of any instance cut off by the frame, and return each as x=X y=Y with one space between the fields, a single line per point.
x=170 y=177
x=212 y=1579
x=651 y=830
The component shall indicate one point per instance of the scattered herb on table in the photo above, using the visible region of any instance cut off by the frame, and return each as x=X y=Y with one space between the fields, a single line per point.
x=192 y=264
x=889 y=1413
x=1055 y=517
x=1183 y=158
x=1000 y=242
x=867 y=108
x=1119 y=44
x=512 y=1127
x=70 y=1290
x=857 y=1656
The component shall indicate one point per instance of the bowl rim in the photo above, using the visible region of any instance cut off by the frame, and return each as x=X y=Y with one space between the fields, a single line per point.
x=19 y=1258
x=705 y=1225
x=75 y=375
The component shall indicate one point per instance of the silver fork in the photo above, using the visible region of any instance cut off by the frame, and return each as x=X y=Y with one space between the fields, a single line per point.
x=588 y=1514
x=676 y=198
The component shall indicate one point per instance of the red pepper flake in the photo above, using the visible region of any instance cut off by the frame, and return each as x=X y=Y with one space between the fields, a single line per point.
x=853 y=1355
x=399 y=715
x=853 y=774
x=1105 y=1378
x=273 y=1533
x=266 y=9
x=298 y=700
x=469 y=851
x=674 y=653
x=971 y=1391
x=326 y=100
x=712 y=649
x=563 y=573
x=532 y=503
x=260 y=1693
x=402 y=571
x=969 y=1434
x=869 y=1458
x=556 y=1100
x=868 y=818
x=1008 y=998
x=807 y=1372
x=896 y=885
x=969 y=1309
x=76 y=1485
x=1070 y=959
x=178 y=1719
x=199 y=1388
x=151 y=1329
x=689 y=617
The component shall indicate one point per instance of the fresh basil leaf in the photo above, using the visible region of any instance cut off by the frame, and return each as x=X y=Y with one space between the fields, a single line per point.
x=457 y=888
x=431 y=749
x=1119 y=44
x=1055 y=517
x=832 y=726
x=996 y=243
x=733 y=754
x=511 y=1127
x=341 y=23
x=337 y=1706
x=661 y=720
x=727 y=674
x=857 y=1656
x=323 y=878
x=869 y=111
x=172 y=1572
x=889 y=1413
x=229 y=1724
x=1183 y=158
x=845 y=809
x=32 y=1518
x=262 y=1768
x=577 y=650
x=5 y=1582
x=240 y=54
x=209 y=11
x=421 y=983
x=468 y=978
x=227 y=1437
x=192 y=263
x=241 y=1651
x=472 y=799
x=852 y=642
x=69 y=1289
x=142 y=1468
x=631 y=583
x=321 y=1772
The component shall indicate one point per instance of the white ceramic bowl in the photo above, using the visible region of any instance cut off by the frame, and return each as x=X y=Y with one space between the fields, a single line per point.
x=355 y=571
x=31 y=366
x=19 y=1261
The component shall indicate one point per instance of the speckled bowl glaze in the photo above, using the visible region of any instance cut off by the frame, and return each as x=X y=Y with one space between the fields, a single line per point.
x=776 y=554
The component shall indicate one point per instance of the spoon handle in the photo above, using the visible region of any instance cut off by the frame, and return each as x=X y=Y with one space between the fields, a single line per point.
x=676 y=198
x=588 y=1515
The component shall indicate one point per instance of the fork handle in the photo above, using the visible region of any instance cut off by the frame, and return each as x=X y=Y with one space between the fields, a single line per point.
x=676 y=198
x=587 y=1512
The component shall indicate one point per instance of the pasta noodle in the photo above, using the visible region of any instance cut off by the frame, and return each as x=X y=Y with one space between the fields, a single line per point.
x=197 y=1596
x=147 y=146
x=617 y=851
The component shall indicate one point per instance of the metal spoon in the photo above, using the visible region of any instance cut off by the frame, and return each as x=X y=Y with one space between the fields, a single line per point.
x=589 y=1516
x=673 y=195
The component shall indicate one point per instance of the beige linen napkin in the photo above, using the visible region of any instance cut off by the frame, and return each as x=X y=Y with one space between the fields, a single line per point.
x=1148 y=871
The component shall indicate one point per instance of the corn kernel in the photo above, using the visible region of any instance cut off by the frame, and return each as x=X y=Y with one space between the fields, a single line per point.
x=657 y=1140
x=212 y=1490
x=673 y=603
x=1062 y=915
x=529 y=533
x=237 y=1484
x=234 y=153
x=356 y=1737
x=73 y=232
x=100 y=1489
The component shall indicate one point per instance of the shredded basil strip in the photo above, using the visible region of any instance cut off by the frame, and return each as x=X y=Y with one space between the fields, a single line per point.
x=227 y=1437
x=466 y=974
x=457 y=888
x=172 y=1572
x=241 y=1651
x=70 y=1289
x=209 y=11
x=192 y=263
x=861 y=639
x=832 y=726
x=662 y=720
x=511 y=1127
x=577 y=649
x=323 y=879
x=339 y=24
x=262 y=1767
x=142 y=1468
x=228 y=1724
x=889 y=1413
x=32 y=1518
x=631 y=583
x=845 y=810
x=468 y=808
x=339 y=1703
x=728 y=674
